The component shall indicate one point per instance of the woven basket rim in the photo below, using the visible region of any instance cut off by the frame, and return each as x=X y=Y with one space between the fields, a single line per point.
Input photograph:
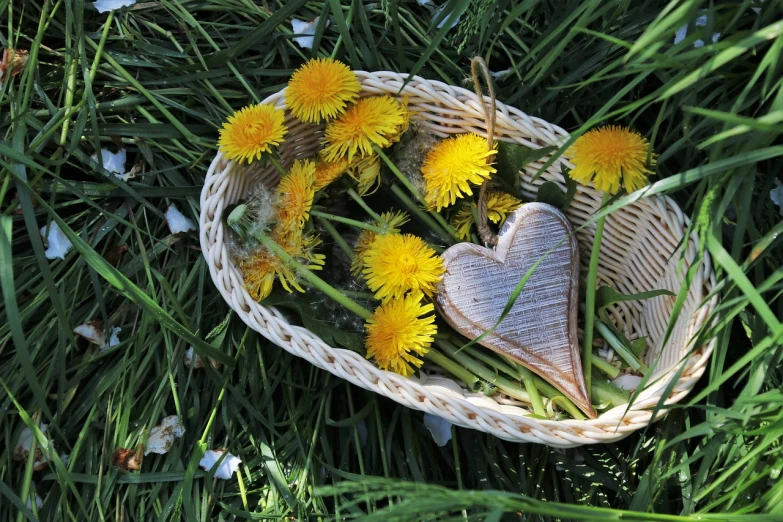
x=464 y=410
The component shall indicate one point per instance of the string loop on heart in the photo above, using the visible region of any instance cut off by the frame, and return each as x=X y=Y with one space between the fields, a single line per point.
x=488 y=237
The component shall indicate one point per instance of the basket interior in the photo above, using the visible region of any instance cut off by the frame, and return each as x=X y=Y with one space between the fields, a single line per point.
x=642 y=244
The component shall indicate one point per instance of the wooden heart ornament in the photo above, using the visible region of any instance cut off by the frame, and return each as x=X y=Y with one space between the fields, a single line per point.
x=540 y=330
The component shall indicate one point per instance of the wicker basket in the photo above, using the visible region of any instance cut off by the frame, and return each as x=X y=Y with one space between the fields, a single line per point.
x=640 y=251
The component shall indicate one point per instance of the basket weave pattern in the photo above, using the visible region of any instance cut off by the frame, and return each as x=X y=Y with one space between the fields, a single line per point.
x=641 y=250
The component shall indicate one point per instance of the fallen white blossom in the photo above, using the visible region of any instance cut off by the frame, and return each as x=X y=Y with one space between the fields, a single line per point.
x=104 y=6
x=162 y=436
x=424 y=2
x=776 y=195
x=682 y=32
x=38 y=500
x=307 y=30
x=22 y=449
x=226 y=469
x=177 y=221
x=499 y=75
x=93 y=332
x=194 y=360
x=58 y=243
x=627 y=382
x=439 y=428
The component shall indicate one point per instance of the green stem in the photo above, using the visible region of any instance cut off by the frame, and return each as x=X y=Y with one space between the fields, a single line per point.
x=506 y=386
x=349 y=221
x=338 y=239
x=311 y=278
x=358 y=199
x=453 y=368
x=423 y=216
x=621 y=349
x=605 y=367
x=592 y=276
x=535 y=398
x=606 y=392
x=277 y=164
x=416 y=193
x=564 y=402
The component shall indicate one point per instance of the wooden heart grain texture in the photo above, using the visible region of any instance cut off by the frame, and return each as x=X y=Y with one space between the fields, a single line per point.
x=540 y=331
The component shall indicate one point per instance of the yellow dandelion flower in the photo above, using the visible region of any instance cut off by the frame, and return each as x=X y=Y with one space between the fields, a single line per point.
x=452 y=165
x=251 y=132
x=462 y=222
x=499 y=205
x=376 y=120
x=397 y=263
x=321 y=89
x=326 y=172
x=391 y=222
x=399 y=333
x=610 y=156
x=295 y=196
x=367 y=172
x=261 y=268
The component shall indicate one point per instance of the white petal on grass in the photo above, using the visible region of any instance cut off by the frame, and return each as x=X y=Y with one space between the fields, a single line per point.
x=307 y=30
x=104 y=6
x=227 y=467
x=499 y=75
x=162 y=436
x=440 y=428
x=57 y=241
x=93 y=332
x=23 y=444
x=38 y=500
x=114 y=162
x=682 y=32
x=776 y=195
x=424 y=2
x=437 y=12
x=627 y=382
x=193 y=359
x=177 y=221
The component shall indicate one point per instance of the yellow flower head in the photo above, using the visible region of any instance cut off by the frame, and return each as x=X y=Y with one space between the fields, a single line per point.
x=326 y=172
x=391 y=222
x=261 y=268
x=609 y=156
x=367 y=172
x=295 y=196
x=376 y=120
x=252 y=131
x=320 y=89
x=398 y=335
x=452 y=165
x=499 y=205
x=397 y=263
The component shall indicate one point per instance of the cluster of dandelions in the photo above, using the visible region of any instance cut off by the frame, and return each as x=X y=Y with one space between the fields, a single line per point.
x=401 y=270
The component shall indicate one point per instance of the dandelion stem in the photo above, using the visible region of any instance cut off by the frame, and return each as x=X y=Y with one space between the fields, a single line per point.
x=606 y=392
x=530 y=387
x=311 y=278
x=592 y=276
x=621 y=349
x=423 y=216
x=605 y=367
x=349 y=221
x=338 y=239
x=358 y=199
x=505 y=385
x=453 y=368
x=416 y=193
x=277 y=164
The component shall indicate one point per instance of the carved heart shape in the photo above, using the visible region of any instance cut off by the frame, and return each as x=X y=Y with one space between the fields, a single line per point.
x=540 y=330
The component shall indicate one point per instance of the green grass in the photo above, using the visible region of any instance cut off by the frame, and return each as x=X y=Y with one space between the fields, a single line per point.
x=160 y=77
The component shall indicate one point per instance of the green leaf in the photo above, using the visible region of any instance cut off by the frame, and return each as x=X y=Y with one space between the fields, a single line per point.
x=607 y=296
x=551 y=193
x=512 y=157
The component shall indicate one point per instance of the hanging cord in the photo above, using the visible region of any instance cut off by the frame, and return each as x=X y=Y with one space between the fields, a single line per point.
x=488 y=237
